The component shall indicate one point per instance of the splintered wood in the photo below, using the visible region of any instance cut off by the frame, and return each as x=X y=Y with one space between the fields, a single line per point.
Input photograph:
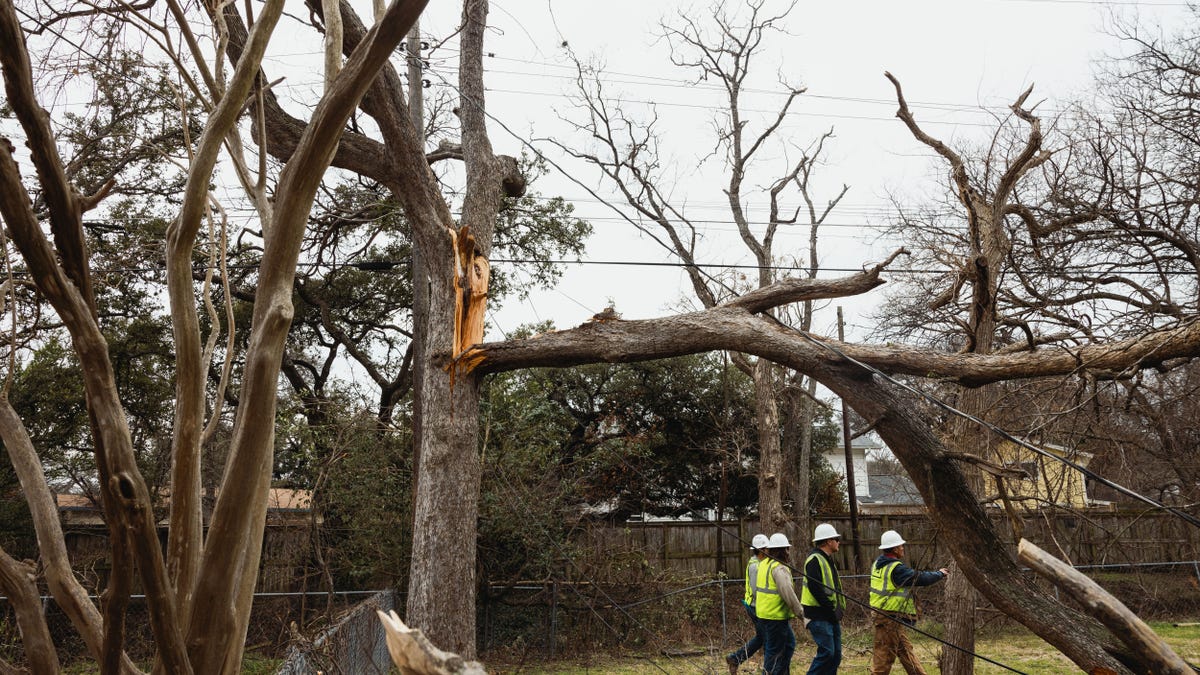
x=471 y=273
x=1149 y=647
x=414 y=654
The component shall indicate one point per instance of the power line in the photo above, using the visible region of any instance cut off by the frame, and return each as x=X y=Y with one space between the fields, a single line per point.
x=675 y=83
x=995 y=429
x=736 y=537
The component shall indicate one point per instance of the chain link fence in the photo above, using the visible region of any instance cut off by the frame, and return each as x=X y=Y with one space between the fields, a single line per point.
x=524 y=623
x=353 y=645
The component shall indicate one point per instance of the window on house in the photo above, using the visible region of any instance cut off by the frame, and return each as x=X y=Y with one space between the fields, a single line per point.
x=1028 y=469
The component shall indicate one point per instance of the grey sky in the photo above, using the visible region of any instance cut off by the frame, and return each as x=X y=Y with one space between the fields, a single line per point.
x=953 y=57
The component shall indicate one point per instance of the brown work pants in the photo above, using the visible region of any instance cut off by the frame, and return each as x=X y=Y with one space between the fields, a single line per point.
x=891 y=642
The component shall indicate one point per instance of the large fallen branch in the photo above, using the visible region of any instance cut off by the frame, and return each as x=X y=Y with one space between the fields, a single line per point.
x=736 y=325
x=897 y=414
x=414 y=654
x=1111 y=612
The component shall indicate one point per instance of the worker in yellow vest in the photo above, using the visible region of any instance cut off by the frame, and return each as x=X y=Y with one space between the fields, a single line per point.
x=823 y=601
x=758 y=551
x=892 y=584
x=775 y=604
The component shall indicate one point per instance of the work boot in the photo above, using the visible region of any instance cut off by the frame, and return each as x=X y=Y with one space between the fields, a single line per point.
x=733 y=664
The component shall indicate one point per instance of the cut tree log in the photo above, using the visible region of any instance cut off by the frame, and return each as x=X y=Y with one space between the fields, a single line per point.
x=1096 y=601
x=414 y=654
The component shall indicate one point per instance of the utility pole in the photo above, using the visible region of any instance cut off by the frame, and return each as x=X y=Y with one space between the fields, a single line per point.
x=852 y=493
x=416 y=80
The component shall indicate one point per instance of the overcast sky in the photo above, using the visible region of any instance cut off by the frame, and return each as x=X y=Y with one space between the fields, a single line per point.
x=957 y=60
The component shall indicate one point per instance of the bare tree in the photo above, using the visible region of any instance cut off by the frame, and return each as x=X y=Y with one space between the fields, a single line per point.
x=898 y=414
x=198 y=612
x=207 y=636
x=988 y=246
x=628 y=157
x=1091 y=241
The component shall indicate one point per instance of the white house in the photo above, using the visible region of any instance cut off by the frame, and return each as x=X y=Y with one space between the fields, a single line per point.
x=859 y=448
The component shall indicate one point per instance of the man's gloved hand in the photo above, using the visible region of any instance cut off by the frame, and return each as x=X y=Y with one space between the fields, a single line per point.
x=839 y=612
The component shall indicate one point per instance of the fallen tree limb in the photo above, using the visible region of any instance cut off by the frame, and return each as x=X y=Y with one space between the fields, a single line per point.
x=1111 y=612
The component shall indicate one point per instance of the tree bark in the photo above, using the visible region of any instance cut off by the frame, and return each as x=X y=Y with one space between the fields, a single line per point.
x=60 y=272
x=892 y=411
x=1111 y=612
x=447 y=489
x=414 y=654
x=18 y=580
x=71 y=597
x=770 y=463
x=185 y=544
x=234 y=542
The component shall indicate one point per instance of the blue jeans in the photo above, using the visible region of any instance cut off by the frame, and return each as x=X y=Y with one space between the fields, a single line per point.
x=779 y=643
x=755 y=642
x=828 y=636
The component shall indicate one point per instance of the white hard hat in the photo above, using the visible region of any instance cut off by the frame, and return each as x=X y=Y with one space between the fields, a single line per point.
x=760 y=541
x=891 y=539
x=825 y=531
x=778 y=540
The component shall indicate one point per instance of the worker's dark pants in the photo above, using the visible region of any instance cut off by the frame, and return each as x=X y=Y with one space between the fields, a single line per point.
x=828 y=636
x=755 y=642
x=779 y=643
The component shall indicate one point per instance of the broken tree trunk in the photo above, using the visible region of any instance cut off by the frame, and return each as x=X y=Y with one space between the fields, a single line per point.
x=414 y=654
x=1111 y=612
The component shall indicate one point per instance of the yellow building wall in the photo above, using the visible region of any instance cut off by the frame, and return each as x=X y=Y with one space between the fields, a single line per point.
x=1049 y=481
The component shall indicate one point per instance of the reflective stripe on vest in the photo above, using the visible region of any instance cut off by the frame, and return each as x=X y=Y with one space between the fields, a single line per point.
x=885 y=595
x=769 y=604
x=832 y=585
x=751 y=573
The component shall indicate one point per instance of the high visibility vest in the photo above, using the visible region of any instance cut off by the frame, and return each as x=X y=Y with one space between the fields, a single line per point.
x=768 y=603
x=831 y=583
x=751 y=579
x=885 y=595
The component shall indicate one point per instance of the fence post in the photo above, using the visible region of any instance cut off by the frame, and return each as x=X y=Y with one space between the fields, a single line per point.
x=553 y=617
x=724 y=635
x=487 y=611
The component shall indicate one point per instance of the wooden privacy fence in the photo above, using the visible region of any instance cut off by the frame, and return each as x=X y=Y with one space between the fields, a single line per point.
x=635 y=552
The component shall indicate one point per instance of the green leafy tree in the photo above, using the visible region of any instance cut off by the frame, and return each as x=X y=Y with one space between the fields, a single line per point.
x=604 y=442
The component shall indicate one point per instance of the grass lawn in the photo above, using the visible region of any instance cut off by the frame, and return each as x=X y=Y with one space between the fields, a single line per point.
x=1015 y=648
x=252 y=664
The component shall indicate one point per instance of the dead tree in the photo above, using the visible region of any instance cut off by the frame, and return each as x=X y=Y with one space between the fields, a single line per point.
x=627 y=156
x=897 y=413
x=207 y=639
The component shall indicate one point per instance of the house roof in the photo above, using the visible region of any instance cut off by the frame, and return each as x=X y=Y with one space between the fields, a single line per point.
x=895 y=489
x=1080 y=457
x=70 y=501
x=289 y=500
x=278 y=499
